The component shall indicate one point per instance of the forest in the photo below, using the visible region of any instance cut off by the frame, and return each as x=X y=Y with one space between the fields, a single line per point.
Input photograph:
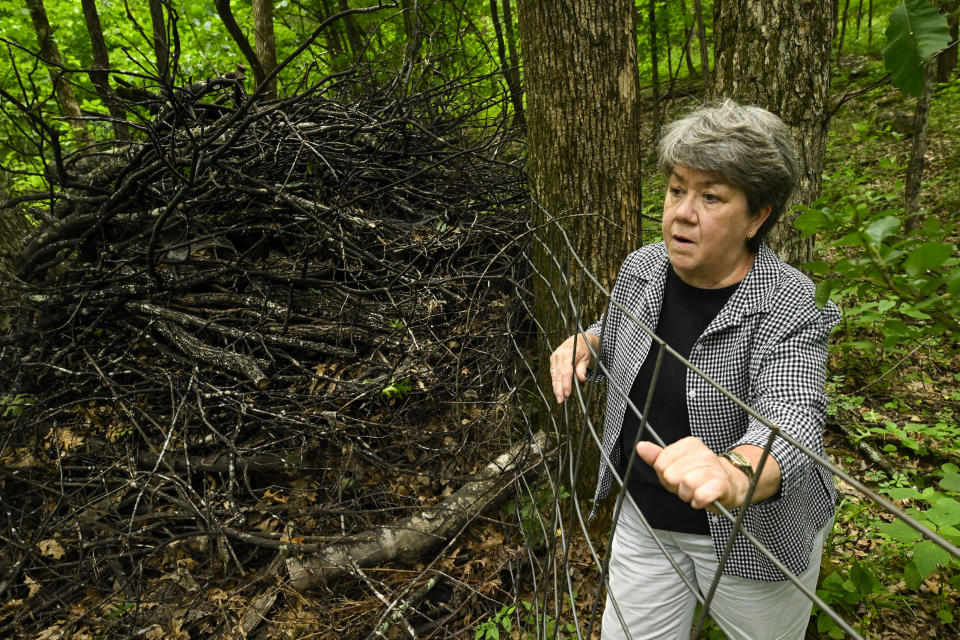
x=281 y=278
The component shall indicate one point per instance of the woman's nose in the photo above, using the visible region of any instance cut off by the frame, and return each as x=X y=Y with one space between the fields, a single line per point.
x=685 y=208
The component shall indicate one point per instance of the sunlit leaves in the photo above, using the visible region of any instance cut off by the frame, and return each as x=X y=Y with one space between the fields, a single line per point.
x=916 y=32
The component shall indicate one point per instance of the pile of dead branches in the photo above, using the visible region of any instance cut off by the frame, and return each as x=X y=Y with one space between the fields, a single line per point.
x=260 y=333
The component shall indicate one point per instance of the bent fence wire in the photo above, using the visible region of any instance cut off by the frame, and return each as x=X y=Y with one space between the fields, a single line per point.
x=561 y=580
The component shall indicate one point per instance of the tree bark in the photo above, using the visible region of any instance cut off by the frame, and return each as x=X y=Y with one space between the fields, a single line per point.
x=843 y=30
x=226 y=15
x=509 y=71
x=702 y=37
x=408 y=539
x=583 y=122
x=50 y=54
x=777 y=55
x=918 y=150
x=161 y=47
x=655 y=67
x=265 y=42
x=947 y=59
x=353 y=34
x=688 y=30
x=99 y=74
x=514 y=61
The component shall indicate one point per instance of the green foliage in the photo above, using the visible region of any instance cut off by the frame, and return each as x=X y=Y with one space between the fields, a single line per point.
x=902 y=283
x=532 y=623
x=490 y=628
x=917 y=31
x=937 y=510
x=13 y=406
x=397 y=389
x=530 y=512
x=844 y=593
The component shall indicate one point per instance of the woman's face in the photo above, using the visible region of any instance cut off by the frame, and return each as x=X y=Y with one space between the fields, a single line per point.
x=706 y=223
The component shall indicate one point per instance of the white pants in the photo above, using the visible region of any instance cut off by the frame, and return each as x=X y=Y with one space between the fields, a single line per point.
x=656 y=605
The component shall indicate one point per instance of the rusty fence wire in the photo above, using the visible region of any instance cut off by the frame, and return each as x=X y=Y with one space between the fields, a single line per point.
x=559 y=579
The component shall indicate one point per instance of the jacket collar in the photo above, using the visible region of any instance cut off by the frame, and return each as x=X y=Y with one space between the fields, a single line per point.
x=752 y=296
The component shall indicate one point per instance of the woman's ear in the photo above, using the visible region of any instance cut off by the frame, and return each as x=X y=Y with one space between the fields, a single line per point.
x=758 y=219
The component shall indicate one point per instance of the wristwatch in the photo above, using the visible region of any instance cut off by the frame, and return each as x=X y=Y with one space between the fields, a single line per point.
x=739 y=461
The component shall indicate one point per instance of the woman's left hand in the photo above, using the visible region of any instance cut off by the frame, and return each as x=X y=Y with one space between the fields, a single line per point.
x=689 y=469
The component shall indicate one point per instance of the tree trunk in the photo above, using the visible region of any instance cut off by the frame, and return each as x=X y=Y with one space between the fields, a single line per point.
x=264 y=41
x=99 y=74
x=583 y=122
x=353 y=34
x=514 y=61
x=688 y=31
x=50 y=54
x=702 y=37
x=655 y=67
x=226 y=15
x=843 y=29
x=776 y=55
x=947 y=59
x=161 y=47
x=508 y=69
x=332 y=34
x=411 y=26
x=918 y=150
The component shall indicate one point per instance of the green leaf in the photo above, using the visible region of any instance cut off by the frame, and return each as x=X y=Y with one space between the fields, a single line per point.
x=911 y=576
x=927 y=555
x=881 y=228
x=945 y=513
x=950 y=533
x=915 y=33
x=898 y=530
x=865 y=581
x=822 y=294
x=826 y=624
x=927 y=256
x=901 y=493
x=812 y=221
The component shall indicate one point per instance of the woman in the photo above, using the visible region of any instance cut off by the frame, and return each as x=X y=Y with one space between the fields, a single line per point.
x=722 y=299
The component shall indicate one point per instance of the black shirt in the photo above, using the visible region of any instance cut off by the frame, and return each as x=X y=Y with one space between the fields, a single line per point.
x=685 y=314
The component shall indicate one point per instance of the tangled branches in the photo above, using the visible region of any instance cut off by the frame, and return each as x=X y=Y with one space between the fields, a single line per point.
x=264 y=328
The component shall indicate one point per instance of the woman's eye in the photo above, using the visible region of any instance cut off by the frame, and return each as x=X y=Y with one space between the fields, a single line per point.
x=675 y=192
x=711 y=198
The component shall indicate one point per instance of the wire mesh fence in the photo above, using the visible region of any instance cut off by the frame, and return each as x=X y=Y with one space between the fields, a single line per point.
x=570 y=584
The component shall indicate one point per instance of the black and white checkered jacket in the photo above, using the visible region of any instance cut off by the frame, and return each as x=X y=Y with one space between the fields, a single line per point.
x=768 y=346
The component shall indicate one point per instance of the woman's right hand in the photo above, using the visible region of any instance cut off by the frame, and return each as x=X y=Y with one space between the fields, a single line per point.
x=564 y=362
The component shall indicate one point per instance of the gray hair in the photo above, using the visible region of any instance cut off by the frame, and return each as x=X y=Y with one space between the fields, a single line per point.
x=745 y=145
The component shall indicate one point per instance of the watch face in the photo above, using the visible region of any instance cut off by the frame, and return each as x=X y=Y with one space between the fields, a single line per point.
x=739 y=461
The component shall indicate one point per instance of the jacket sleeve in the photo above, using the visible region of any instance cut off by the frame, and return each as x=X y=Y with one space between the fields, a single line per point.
x=788 y=388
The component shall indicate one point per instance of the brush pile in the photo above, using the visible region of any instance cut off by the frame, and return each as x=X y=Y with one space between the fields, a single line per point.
x=261 y=329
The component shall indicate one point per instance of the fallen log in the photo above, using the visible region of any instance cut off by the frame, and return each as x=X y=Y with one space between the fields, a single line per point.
x=406 y=540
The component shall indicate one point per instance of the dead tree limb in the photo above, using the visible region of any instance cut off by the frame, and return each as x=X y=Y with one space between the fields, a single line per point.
x=409 y=538
x=195 y=348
